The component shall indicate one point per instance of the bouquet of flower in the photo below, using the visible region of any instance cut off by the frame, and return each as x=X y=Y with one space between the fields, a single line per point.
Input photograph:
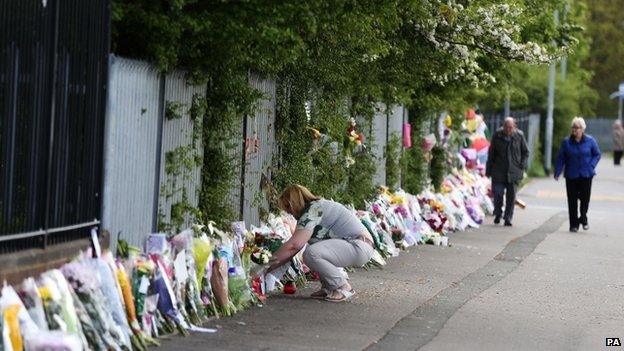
x=260 y=255
x=33 y=303
x=65 y=300
x=50 y=298
x=139 y=339
x=52 y=341
x=16 y=320
x=96 y=318
x=111 y=291
x=219 y=282
x=142 y=273
x=353 y=137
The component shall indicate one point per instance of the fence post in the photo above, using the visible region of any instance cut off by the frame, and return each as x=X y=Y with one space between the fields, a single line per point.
x=54 y=69
x=243 y=168
x=159 y=137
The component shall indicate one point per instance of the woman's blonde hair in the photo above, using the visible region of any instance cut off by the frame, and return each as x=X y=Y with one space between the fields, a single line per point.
x=579 y=121
x=295 y=198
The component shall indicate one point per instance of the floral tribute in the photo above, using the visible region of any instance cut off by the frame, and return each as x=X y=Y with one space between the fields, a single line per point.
x=178 y=282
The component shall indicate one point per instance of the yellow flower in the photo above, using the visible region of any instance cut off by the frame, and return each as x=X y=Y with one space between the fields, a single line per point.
x=12 y=324
x=45 y=293
x=397 y=200
x=448 y=121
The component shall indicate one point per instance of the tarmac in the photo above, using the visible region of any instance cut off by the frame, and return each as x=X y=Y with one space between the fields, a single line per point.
x=533 y=286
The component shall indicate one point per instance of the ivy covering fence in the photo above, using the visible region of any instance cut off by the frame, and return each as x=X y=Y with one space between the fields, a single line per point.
x=333 y=61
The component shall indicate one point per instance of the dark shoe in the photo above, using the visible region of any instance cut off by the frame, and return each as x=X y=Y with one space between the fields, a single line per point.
x=497 y=220
x=508 y=224
x=573 y=229
x=585 y=226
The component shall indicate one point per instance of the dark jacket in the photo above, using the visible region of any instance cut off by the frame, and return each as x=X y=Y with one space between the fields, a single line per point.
x=507 y=165
x=579 y=159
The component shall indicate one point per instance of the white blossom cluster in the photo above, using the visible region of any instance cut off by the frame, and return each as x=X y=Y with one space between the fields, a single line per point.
x=475 y=31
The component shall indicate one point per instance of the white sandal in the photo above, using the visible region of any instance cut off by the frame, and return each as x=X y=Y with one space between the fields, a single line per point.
x=346 y=295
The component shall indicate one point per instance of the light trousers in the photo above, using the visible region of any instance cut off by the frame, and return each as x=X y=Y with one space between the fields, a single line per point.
x=327 y=257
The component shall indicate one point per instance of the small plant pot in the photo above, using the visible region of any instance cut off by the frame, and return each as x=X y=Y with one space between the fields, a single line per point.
x=437 y=240
x=444 y=241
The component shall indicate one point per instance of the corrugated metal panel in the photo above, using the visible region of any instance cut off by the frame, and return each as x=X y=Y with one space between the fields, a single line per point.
x=259 y=156
x=602 y=130
x=235 y=153
x=379 y=139
x=395 y=128
x=395 y=121
x=131 y=138
x=178 y=134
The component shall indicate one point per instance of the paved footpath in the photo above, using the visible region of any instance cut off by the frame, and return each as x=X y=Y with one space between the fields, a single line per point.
x=534 y=286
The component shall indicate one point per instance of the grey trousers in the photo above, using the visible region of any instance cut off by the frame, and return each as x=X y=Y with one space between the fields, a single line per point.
x=327 y=256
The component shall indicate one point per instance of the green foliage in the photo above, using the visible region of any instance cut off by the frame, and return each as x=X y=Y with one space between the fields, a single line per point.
x=322 y=165
x=438 y=167
x=528 y=85
x=360 y=180
x=173 y=110
x=415 y=169
x=229 y=98
x=606 y=30
x=537 y=167
x=393 y=161
x=343 y=57
x=180 y=164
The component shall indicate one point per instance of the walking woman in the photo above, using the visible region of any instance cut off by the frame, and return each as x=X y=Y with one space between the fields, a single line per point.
x=578 y=156
x=618 y=142
x=336 y=239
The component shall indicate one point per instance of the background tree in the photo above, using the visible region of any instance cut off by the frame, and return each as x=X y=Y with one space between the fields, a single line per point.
x=606 y=30
x=341 y=58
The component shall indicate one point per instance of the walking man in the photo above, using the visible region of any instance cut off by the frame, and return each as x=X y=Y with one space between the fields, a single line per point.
x=507 y=161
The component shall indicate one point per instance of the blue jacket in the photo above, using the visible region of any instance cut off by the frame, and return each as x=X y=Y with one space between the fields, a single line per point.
x=578 y=158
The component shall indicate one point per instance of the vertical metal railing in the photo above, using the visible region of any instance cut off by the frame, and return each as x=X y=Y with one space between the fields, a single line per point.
x=53 y=67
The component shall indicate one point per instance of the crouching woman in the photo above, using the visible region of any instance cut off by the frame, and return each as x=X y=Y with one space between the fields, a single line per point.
x=336 y=239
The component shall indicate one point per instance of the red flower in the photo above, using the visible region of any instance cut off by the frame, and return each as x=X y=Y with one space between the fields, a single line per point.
x=290 y=288
x=255 y=286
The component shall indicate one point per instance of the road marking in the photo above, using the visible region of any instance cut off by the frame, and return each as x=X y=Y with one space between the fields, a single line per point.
x=422 y=325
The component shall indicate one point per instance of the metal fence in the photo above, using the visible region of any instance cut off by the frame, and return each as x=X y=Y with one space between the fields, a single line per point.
x=148 y=126
x=149 y=135
x=387 y=122
x=528 y=123
x=53 y=70
x=134 y=120
x=378 y=135
x=140 y=139
x=259 y=149
x=602 y=130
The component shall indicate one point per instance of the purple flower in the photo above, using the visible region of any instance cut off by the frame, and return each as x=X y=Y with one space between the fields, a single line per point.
x=402 y=211
x=80 y=277
x=376 y=209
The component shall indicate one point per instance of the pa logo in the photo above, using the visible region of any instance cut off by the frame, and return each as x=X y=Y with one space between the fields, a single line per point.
x=614 y=342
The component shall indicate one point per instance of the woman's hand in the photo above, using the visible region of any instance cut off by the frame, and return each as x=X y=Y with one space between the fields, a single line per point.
x=289 y=248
